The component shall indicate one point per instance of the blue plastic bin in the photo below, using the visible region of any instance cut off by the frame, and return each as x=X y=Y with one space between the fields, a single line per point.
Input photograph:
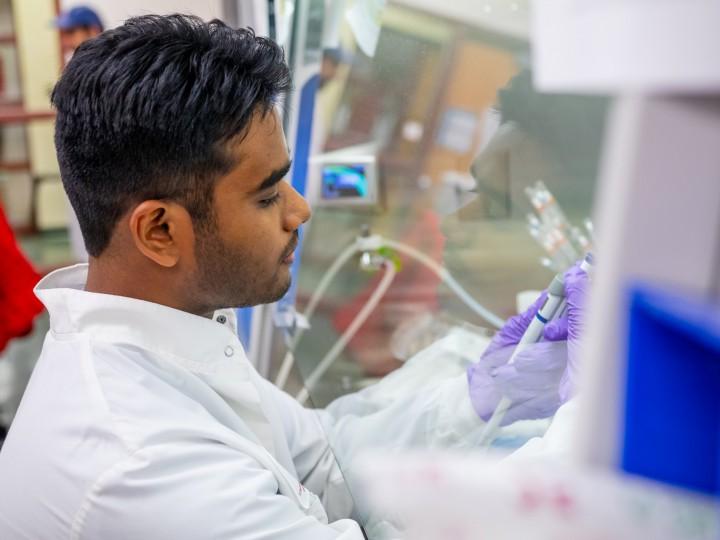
x=672 y=409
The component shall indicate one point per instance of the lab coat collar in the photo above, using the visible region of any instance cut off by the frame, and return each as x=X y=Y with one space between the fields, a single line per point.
x=196 y=342
x=206 y=347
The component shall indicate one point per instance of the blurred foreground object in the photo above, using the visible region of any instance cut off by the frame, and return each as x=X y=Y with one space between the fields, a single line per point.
x=436 y=497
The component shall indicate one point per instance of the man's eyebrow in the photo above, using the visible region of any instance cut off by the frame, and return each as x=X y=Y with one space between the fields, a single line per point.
x=274 y=177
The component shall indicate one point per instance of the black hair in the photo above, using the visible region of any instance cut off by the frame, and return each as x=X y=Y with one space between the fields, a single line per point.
x=145 y=111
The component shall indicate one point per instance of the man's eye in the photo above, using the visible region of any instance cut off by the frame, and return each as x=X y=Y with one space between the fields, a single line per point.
x=270 y=201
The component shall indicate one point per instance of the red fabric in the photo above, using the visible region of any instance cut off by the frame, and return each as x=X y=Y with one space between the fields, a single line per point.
x=18 y=303
x=415 y=287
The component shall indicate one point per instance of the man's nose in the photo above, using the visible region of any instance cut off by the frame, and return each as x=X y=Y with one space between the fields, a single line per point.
x=298 y=212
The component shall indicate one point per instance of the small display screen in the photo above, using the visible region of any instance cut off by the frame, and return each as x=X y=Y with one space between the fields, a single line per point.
x=344 y=182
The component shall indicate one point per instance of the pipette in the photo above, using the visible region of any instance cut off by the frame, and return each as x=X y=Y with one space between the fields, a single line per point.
x=553 y=308
x=553 y=303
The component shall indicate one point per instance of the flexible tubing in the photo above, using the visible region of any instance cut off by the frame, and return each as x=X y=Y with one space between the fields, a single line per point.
x=289 y=359
x=447 y=278
x=340 y=260
x=350 y=332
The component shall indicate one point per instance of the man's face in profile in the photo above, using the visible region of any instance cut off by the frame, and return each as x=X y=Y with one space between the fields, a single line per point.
x=243 y=258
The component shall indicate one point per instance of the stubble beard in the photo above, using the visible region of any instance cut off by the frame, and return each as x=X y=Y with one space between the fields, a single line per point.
x=229 y=278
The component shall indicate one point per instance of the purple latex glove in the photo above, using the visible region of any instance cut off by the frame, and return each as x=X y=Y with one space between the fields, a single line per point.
x=543 y=375
x=531 y=382
x=514 y=328
x=570 y=327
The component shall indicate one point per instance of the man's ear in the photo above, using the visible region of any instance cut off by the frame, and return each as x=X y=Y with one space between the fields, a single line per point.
x=160 y=230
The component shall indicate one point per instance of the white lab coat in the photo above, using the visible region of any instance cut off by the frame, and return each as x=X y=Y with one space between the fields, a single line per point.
x=141 y=421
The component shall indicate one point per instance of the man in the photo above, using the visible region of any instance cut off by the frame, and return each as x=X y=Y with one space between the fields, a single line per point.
x=76 y=26
x=143 y=418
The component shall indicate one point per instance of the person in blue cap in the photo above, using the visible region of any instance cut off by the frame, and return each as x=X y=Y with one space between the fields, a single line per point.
x=77 y=25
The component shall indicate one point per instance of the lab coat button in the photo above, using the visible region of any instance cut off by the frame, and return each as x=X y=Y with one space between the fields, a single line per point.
x=222 y=319
x=229 y=351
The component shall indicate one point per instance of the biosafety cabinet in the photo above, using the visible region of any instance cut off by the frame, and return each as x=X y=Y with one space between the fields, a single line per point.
x=457 y=155
x=417 y=124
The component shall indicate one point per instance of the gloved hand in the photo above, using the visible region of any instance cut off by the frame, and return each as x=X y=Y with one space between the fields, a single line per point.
x=514 y=327
x=570 y=327
x=543 y=374
x=531 y=382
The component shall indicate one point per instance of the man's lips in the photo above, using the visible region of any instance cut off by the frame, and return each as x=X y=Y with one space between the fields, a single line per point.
x=289 y=254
